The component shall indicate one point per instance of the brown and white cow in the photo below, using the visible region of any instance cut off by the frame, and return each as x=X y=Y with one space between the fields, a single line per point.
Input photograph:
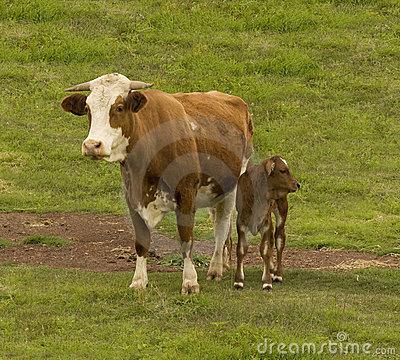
x=263 y=189
x=177 y=152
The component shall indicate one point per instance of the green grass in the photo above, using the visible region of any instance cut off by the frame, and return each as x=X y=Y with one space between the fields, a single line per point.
x=321 y=78
x=68 y=314
x=45 y=240
x=5 y=243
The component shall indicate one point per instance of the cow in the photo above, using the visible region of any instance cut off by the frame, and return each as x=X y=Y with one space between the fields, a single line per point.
x=177 y=152
x=263 y=189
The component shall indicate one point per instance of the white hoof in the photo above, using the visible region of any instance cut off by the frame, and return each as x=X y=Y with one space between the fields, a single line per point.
x=214 y=275
x=139 y=280
x=215 y=271
x=267 y=287
x=190 y=287
x=139 y=284
x=277 y=278
x=189 y=283
x=238 y=285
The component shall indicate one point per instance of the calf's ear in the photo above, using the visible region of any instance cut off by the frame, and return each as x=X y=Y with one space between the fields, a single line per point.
x=135 y=101
x=75 y=104
x=269 y=166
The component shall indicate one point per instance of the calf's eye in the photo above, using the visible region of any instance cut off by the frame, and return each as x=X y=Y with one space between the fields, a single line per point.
x=120 y=109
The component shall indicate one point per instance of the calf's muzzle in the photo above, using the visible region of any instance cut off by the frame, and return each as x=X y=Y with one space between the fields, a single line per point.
x=294 y=186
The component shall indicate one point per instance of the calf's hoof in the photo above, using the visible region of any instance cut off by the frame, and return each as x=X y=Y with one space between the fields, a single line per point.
x=276 y=278
x=267 y=287
x=190 y=288
x=238 y=285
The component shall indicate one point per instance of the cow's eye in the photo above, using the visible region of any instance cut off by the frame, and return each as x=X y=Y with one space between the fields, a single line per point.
x=283 y=171
x=120 y=108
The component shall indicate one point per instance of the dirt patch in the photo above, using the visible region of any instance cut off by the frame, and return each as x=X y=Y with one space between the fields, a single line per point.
x=106 y=243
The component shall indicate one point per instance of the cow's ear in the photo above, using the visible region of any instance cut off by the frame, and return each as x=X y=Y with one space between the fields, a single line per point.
x=75 y=104
x=269 y=166
x=135 y=101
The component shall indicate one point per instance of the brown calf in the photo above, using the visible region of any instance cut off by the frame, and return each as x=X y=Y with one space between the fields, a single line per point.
x=262 y=189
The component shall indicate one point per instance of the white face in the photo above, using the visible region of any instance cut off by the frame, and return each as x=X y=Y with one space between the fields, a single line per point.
x=105 y=91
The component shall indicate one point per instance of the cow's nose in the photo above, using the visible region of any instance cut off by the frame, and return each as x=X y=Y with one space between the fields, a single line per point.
x=92 y=147
x=92 y=144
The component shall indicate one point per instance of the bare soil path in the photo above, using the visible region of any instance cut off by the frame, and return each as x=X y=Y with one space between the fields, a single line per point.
x=106 y=243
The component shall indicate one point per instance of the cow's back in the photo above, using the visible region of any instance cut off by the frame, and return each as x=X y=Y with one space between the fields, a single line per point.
x=215 y=105
x=222 y=127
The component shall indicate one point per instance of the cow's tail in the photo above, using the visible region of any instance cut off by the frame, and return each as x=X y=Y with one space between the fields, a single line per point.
x=249 y=136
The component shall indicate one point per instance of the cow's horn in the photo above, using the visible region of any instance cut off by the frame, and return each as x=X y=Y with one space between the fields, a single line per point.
x=80 y=87
x=135 y=85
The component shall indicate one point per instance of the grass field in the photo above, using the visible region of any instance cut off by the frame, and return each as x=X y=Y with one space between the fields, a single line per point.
x=67 y=314
x=322 y=81
x=321 y=78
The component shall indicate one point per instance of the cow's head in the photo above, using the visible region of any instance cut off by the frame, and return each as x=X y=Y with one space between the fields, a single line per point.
x=109 y=106
x=280 y=180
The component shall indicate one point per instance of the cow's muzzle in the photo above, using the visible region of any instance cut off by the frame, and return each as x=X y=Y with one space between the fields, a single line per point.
x=94 y=148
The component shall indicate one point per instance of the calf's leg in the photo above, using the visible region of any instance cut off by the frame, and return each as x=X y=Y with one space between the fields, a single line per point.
x=266 y=251
x=280 y=236
x=228 y=249
x=241 y=251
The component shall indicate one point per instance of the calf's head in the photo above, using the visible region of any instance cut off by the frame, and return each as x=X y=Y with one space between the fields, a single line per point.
x=109 y=107
x=280 y=180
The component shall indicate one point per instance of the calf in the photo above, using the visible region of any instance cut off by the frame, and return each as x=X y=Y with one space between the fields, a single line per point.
x=262 y=189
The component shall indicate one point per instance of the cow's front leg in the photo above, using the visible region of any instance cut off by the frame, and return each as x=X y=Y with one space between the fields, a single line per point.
x=280 y=236
x=142 y=245
x=189 y=282
x=185 y=219
x=222 y=223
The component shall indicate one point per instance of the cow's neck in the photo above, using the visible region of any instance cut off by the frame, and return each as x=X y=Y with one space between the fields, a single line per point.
x=141 y=176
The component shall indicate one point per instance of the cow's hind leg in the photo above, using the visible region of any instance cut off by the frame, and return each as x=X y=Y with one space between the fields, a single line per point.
x=142 y=244
x=227 y=252
x=222 y=223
